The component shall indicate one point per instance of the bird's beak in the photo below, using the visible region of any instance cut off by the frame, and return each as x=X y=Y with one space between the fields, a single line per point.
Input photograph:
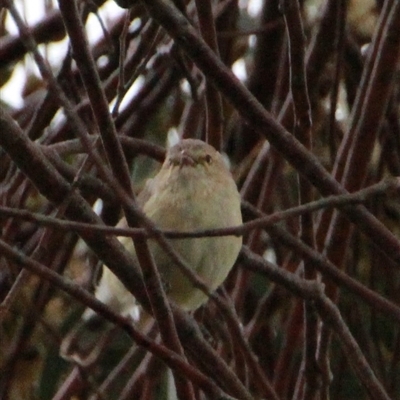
x=185 y=159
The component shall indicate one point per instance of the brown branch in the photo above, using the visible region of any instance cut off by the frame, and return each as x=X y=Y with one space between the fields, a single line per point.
x=98 y=101
x=369 y=283
x=356 y=148
x=328 y=312
x=131 y=146
x=214 y=116
x=248 y=107
x=340 y=36
x=235 y=328
x=12 y=48
x=302 y=131
x=34 y=165
x=388 y=187
x=169 y=357
x=321 y=263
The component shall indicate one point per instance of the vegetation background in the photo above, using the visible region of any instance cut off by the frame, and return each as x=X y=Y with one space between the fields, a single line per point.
x=311 y=309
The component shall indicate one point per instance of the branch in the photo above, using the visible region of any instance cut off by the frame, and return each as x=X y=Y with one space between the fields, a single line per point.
x=328 y=312
x=171 y=358
x=253 y=112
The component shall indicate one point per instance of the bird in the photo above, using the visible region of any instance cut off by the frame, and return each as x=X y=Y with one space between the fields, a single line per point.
x=193 y=190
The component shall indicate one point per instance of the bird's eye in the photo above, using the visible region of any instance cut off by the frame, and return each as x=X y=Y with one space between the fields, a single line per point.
x=208 y=159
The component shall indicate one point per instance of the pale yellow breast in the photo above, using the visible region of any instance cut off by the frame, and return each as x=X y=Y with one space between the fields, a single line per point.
x=188 y=205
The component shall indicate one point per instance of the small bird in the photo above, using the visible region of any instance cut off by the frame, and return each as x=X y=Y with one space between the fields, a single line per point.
x=193 y=190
